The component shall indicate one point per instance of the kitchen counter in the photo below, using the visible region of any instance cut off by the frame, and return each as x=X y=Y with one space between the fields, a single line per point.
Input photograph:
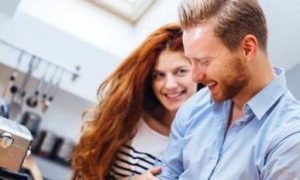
x=30 y=164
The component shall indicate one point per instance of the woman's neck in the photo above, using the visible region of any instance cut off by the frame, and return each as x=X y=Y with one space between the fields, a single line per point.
x=160 y=121
x=168 y=118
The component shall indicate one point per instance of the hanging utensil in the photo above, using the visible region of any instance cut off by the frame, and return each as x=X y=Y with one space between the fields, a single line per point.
x=33 y=64
x=47 y=88
x=32 y=101
x=11 y=88
x=15 y=107
x=55 y=88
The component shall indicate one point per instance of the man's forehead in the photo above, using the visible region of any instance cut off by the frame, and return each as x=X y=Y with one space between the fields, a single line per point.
x=194 y=34
x=196 y=39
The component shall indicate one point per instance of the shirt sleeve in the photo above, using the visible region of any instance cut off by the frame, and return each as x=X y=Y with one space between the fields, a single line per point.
x=283 y=161
x=172 y=165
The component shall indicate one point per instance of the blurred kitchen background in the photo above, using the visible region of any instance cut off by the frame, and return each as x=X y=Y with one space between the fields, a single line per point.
x=59 y=51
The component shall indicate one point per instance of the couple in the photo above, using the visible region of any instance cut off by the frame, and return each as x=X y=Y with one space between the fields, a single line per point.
x=244 y=125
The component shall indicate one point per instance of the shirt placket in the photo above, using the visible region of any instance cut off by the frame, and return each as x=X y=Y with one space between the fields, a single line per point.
x=220 y=122
x=236 y=128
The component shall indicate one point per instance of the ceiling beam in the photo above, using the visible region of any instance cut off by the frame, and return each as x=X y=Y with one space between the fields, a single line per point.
x=8 y=7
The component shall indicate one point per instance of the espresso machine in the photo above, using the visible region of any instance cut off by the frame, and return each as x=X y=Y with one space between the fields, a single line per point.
x=15 y=140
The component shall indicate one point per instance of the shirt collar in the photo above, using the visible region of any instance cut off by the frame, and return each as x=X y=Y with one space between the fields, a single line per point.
x=266 y=98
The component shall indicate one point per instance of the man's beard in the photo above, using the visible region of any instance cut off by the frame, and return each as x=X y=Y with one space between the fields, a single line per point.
x=233 y=83
x=229 y=91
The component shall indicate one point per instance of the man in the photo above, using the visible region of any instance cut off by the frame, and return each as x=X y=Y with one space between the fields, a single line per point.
x=246 y=123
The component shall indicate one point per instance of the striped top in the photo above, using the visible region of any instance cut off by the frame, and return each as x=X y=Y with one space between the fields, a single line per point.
x=143 y=152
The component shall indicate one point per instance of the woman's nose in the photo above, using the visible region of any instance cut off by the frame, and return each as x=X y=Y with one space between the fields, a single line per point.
x=170 y=82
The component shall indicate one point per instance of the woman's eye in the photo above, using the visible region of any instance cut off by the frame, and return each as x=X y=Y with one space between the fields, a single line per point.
x=157 y=75
x=181 y=72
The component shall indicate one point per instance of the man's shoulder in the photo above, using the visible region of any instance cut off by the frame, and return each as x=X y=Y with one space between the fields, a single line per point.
x=288 y=109
x=285 y=117
x=200 y=99
x=195 y=106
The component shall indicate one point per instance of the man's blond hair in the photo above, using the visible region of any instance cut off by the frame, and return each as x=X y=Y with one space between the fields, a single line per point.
x=232 y=19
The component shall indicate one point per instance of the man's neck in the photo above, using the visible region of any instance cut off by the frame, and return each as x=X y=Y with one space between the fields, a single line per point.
x=235 y=115
x=262 y=75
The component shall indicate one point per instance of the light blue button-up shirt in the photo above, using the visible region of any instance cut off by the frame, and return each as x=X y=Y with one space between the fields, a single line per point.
x=263 y=144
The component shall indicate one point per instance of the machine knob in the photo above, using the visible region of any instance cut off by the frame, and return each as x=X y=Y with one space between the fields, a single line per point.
x=6 y=140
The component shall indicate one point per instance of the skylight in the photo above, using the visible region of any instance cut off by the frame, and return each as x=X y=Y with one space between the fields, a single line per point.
x=131 y=10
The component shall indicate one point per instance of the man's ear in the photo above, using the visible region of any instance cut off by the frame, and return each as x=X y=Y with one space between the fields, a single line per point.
x=249 y=46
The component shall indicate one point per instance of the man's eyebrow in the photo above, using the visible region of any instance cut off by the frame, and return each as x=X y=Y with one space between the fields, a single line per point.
x=202 y=58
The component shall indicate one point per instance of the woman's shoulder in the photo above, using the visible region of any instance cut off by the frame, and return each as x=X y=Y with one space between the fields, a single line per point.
x=148 y=133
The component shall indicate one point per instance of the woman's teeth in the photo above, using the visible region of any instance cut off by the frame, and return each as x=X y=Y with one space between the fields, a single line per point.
x=174 y=95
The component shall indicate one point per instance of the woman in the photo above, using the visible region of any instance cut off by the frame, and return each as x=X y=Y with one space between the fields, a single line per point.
x=137 y=103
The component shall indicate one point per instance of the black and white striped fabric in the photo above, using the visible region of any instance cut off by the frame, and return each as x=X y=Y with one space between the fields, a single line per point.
x=131 y=162
x=142 y=153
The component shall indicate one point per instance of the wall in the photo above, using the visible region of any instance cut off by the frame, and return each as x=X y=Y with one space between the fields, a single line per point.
x=284 y=36
x=61 y=48
x=293 y=80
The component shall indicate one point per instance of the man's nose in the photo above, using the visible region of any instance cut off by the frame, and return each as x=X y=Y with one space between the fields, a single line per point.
x=198 y=73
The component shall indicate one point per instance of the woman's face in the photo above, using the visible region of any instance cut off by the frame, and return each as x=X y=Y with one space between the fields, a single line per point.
x=172 y=79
